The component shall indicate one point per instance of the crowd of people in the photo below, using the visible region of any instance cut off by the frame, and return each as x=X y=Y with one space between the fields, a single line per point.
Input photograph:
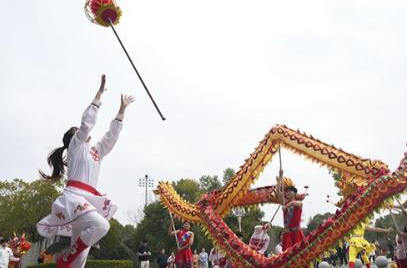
x=344 y=253
x=215 y=258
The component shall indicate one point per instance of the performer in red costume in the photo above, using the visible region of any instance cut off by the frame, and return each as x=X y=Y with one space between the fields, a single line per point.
x=292 y=210
x=184 y=257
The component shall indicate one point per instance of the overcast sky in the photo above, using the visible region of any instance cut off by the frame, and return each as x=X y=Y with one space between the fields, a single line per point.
x=223 y=73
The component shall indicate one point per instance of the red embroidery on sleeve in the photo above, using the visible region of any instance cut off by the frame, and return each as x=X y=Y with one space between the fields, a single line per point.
x=95 y=155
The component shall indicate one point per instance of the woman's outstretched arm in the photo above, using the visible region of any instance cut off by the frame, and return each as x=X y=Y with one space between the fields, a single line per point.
x=106 y=144
x=89 y=116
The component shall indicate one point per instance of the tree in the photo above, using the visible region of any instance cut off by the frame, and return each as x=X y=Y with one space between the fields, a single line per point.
x=253 y=217
x=386 y=222
x=188 y=189
x=228 y=174
x=112 y=246
x=316 y=221
x=23 y=204
x=153 y=227
x=209 y=183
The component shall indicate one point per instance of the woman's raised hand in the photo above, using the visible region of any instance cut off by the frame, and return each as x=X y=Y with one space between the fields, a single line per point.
x=101 y=88
x=102 y=83
x=125 y=101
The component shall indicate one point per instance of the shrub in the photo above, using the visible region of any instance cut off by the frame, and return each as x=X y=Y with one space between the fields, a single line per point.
x=94 y=264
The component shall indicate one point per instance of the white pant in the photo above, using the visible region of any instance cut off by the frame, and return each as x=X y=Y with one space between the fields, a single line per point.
x=145 y=264
x=90 y=227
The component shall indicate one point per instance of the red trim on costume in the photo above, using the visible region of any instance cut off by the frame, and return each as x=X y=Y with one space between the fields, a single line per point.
x=66 y=259
x=61 y=225
x=83 y=186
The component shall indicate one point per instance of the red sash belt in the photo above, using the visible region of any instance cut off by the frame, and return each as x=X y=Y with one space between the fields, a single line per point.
x=83 y=186
x=289 y=230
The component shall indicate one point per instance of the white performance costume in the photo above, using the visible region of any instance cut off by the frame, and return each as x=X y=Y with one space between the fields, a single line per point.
x=278 y=249
x=81 y=211
x=6 y=255
x=401 y=248
x=260 y=239
x=217 y=257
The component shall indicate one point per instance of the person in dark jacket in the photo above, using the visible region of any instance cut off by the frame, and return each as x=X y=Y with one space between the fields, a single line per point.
x=162 y=259
x=144 y=254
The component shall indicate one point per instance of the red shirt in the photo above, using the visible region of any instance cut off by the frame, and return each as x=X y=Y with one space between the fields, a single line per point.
x=185 y=255
x=292 y=217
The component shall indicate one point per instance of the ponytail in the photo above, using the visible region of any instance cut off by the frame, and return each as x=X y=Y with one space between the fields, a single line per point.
x=57 y=163
x=56 y=159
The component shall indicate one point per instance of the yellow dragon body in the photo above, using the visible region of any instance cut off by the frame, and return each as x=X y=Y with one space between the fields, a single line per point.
x=364 y=184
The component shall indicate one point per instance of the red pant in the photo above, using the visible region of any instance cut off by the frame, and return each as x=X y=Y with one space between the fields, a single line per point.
x=401 y=263
x=184 y=258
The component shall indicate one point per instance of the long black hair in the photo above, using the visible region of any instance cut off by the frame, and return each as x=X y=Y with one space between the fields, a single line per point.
x=56 y=159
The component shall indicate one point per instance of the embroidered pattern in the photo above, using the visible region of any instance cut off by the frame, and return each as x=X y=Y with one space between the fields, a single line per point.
x=49 y=229
x=95 y=155
x=256 y=243
x=184 y=239
x=288 y=216
x=81 y=207
x=60 y=215
x=70 y=252
x=106 y=204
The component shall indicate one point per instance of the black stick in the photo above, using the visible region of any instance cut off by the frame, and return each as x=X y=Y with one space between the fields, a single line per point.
x=135 y=69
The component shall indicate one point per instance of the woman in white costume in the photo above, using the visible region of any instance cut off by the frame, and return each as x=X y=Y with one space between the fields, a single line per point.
x=81 y=212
